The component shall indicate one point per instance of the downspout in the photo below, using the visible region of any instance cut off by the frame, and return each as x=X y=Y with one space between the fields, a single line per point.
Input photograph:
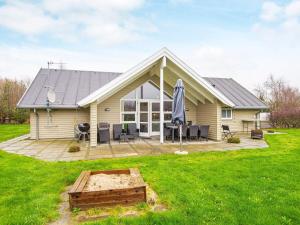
x=257 y=115
x=37 y=126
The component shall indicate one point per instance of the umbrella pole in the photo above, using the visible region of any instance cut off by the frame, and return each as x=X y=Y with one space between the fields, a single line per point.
x=180 y=136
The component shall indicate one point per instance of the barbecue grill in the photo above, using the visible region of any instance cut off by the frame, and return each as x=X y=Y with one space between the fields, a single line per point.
x=84 y=127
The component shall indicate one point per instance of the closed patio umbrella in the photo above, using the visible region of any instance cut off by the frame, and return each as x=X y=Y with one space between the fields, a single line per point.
x=178 y=109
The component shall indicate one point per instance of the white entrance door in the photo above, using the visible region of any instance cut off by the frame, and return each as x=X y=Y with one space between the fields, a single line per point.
x=144 y=111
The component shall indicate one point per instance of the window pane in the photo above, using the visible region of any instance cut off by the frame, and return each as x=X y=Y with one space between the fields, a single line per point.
x=144 y=106
x=144 y=127
x=144 y=117
x=228 y=113
x=223 y=113
x=128 y=117
x=155 y=116
x=168 y=106
x=155 y=106
x=168 y=116
x=129 y=106
x=155 y=127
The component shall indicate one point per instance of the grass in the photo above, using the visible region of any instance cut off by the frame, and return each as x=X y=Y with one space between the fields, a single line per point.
x=236 y=187
x=9 y=131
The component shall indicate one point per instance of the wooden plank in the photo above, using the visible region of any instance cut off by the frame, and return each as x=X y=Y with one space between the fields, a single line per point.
x=126 y=171
x=112 y=196
x=109 y=198
x=137 y=176
x=77 y=182
x=102 y=204
x=83 y=181
x=116 y=191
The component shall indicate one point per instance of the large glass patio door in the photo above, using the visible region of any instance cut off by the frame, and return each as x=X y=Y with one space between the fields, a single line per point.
x=148 y=116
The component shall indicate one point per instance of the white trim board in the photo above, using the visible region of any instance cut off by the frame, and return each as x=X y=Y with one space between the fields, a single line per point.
x=133 y=73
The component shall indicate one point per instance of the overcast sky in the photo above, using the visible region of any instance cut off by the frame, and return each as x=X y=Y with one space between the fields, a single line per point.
x=246 y=40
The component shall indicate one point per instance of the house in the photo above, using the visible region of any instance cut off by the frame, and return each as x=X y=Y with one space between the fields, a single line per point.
x=135 y=97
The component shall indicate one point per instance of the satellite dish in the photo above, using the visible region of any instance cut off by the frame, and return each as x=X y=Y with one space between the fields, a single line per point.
x=51 y=96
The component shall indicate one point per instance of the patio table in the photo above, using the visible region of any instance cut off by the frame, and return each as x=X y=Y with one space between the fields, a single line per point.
x=124 y=137
x=172 y=127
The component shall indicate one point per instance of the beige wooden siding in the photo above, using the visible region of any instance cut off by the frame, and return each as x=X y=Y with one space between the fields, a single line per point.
x=62 y=126
x=113 y=103
x=191 y=114
x=236 y=123
x=210 y=114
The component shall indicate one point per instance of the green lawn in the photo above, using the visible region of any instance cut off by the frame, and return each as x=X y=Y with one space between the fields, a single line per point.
x=237 y=187
x=8 y=131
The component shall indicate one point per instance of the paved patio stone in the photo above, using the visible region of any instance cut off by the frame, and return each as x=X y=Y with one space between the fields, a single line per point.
x=99 y=152
x=57 y=150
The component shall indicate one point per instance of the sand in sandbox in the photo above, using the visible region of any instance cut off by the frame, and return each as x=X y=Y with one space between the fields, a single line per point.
x=101 y=181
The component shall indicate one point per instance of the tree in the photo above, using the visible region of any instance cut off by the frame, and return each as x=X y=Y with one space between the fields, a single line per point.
x=10 y=93
x=283 y=101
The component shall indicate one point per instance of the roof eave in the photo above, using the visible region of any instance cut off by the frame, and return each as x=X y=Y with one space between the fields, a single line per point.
x=148 y=61
x=251 y=107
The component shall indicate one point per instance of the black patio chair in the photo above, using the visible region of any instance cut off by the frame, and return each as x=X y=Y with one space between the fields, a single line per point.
x=132 y=132
x=103 y=125
x=193 y=132
x=167 y=131
x=117 y=131
x=103 y=132
x=204 y=131
x=226 y=132
x=184 y=131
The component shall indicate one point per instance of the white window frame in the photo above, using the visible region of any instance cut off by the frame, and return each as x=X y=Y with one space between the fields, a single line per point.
x=128 y=112
x=136 y=113
x=226 y=118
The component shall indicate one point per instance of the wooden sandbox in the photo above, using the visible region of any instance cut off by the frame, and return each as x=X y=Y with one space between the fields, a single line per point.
x=107 y=188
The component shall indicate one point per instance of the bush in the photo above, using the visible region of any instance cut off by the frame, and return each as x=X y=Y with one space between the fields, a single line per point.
x=74 y=148
x=285 y=118
x=235 y=140
x=271 y=131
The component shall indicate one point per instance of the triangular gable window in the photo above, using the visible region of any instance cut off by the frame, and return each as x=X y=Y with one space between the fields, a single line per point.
x=146 y=91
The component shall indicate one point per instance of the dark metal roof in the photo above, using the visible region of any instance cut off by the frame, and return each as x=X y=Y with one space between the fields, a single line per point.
x=240 y=96
x=70 y=86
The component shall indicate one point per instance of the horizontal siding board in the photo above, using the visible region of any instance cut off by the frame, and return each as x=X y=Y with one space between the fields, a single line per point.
x=63 y=122
x=210 y=114
x=236 y=124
